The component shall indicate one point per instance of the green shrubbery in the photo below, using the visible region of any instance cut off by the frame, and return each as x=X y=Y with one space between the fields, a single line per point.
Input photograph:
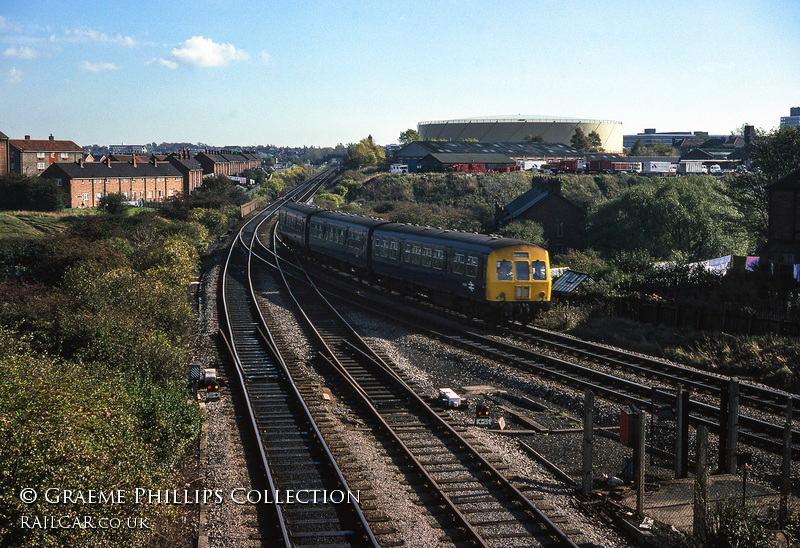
x=94 y=332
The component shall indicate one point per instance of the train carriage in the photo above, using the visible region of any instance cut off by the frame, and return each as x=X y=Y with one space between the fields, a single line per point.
x=329 y=233
x=474 y=273
x=461 y=270
x=293 y=222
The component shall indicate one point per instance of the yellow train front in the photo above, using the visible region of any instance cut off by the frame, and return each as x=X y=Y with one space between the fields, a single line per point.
x=518 y=279
x=478 y=274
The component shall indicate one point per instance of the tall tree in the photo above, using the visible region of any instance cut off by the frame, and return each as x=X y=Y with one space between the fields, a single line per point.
x=409 y=136
x=364 y=154
x=595 y=142
x=580 y=141
x=691 y=217
x=776 y=153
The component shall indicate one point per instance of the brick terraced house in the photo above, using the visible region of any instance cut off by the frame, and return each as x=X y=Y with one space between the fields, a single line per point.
x=33 y=156
x=227 y=162
x=4 y=169
x=87 y=182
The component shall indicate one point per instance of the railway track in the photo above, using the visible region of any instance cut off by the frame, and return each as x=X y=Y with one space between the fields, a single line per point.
x=306 y=500
x=469 y=497
x=620 y=379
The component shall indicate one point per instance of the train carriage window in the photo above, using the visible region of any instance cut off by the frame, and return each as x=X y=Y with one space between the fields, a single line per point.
x=539 y=270
x=416 y=255
x=427 y=257
x=458 y=263
x=504 y=270
x=438 y=259
x=394 y=250
x=522 y=271
x=472 y=267
x=407 y=249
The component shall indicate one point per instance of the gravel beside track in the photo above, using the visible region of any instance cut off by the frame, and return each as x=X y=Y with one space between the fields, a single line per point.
x=432 y=366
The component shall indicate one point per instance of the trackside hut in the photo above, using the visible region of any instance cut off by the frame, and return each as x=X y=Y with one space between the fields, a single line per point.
x=783 y=245
x=87 y=182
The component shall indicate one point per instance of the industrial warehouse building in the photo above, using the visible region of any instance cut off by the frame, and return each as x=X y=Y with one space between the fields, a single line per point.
x=522 y=128
x=439 y=155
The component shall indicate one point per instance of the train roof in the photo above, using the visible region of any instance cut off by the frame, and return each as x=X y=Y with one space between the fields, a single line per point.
x=338 y=217
x=444 y=237
x=438 y=236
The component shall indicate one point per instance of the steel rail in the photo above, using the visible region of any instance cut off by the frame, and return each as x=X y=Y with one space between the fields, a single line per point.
x=554 y=532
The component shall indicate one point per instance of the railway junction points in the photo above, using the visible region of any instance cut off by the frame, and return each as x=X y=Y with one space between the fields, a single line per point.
x=431 y=365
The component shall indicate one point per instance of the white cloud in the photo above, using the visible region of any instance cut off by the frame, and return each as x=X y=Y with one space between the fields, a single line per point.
x=204 y=52
x=90 y=35
x=3 y=22
x=14 y=76
x=265 y=57
x=98 y=67
x=22 y=52
x=167 y=63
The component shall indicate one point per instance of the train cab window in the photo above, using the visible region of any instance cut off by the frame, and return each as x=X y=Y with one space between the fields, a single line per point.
x=539 y=271
x=458 y=263
x=438 y=259
x=472 y=267
x=504 y=270
x=522 y=272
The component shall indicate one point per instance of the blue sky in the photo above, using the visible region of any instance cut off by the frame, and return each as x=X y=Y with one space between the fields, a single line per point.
x=323 y=72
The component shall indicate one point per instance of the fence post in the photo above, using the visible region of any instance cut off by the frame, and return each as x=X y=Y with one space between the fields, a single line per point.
x=588 y=440
x=701 y=485
x=786 y=465
x=732 y=426
x=729 y=426
x=639 y=460
x=682 y=433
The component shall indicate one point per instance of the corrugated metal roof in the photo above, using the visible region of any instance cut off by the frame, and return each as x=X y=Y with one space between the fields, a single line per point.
x=470 y=158
x=570 y=281
x=471 y=147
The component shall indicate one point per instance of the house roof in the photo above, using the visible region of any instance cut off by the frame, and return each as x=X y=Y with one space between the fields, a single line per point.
x=45 y=145
x=525 y=201
x=787 y=182
x=98 y=170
